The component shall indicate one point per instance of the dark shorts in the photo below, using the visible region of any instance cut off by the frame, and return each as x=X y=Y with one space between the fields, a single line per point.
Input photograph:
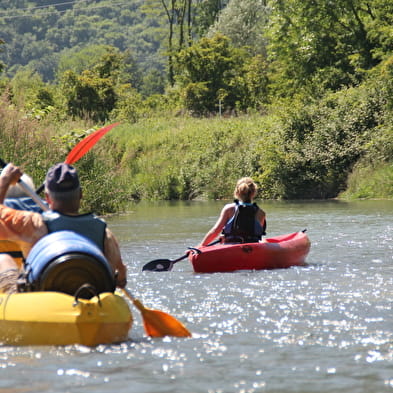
x=8 y=281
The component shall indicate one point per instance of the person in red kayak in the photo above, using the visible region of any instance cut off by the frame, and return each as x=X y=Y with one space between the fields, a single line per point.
x=63 y=194
x=241 y=221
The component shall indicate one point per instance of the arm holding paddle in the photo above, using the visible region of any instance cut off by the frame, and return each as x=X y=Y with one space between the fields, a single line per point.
x=226 y=213
x=9 y=176
x=112 y=253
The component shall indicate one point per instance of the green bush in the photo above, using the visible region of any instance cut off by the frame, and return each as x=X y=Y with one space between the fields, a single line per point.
x=316 y=144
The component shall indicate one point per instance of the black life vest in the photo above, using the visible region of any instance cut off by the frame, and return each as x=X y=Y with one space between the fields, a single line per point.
x=88 y=225
x=243 y=227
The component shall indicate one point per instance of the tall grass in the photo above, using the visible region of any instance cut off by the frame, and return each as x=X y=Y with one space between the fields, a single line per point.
x=187 y=158
x=35 y=145
x=367 y=182
x=26 y=142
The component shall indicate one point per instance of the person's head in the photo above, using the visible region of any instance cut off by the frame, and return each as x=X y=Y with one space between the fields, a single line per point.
x=16 y=191
x=62 y=188
x=245 y=189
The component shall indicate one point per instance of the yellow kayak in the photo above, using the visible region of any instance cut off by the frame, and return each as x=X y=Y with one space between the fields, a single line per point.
x=54 y=318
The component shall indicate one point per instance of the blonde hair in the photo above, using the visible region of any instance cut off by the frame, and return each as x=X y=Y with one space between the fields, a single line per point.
x=16 y=191
x=245 y=189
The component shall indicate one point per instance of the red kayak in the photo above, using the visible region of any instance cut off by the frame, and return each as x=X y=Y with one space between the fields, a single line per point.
x=273 y=253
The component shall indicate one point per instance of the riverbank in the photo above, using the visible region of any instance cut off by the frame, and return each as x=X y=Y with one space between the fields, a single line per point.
x=185 y=158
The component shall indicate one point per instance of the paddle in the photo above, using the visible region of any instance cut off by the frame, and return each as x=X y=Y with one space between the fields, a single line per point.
x=158 y=323
x=166 y=265
x=28 y=190
x=87 y=143
x=162 y=265
x=82 y=147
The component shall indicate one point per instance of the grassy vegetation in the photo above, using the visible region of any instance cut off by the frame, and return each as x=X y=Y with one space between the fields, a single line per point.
x=36 y=145
x=370 y=183
x=187 y=158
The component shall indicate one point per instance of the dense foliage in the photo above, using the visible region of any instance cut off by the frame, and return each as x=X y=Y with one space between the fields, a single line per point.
x=298 y=95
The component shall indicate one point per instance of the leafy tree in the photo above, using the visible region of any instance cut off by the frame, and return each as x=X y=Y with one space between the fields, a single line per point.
x=87 y=95
x=95 y=92
x=327 y=44
x=175 y=12
x=186 y=20
x=29 y=91
x=243 y=21
x=206 y=14
x=256 y=82
x=380 y=28
x=210 y=72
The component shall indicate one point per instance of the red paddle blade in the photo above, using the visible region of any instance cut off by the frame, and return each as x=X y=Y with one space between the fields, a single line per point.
x=87 y=143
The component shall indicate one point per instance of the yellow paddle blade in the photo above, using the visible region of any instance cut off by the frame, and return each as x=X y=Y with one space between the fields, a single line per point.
x=158 y=323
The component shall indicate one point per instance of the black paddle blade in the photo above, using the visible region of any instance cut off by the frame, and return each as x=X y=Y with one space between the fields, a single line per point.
x=159 y=265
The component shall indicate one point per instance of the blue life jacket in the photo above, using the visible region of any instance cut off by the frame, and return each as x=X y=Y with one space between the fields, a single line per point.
x=88 y=225
x=243 y=227
x=24 y=203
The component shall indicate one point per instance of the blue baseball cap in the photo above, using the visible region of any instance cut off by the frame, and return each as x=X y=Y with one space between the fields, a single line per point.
x=62 y=178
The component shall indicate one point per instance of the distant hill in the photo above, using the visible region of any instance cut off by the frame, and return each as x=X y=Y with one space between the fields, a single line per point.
x=39 y=33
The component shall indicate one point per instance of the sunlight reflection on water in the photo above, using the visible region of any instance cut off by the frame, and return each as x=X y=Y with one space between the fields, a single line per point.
x=326 y=327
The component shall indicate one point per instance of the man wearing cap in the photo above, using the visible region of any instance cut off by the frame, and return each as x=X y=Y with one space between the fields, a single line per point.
x=63 y=194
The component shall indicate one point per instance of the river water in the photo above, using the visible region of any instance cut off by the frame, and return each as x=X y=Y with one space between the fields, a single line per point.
x=326 y=327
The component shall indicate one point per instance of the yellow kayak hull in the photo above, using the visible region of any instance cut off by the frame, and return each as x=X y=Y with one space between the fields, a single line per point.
x=52 y=318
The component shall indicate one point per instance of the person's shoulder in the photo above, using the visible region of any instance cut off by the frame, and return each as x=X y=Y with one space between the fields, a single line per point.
x=229 y=206
x=228 y=209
